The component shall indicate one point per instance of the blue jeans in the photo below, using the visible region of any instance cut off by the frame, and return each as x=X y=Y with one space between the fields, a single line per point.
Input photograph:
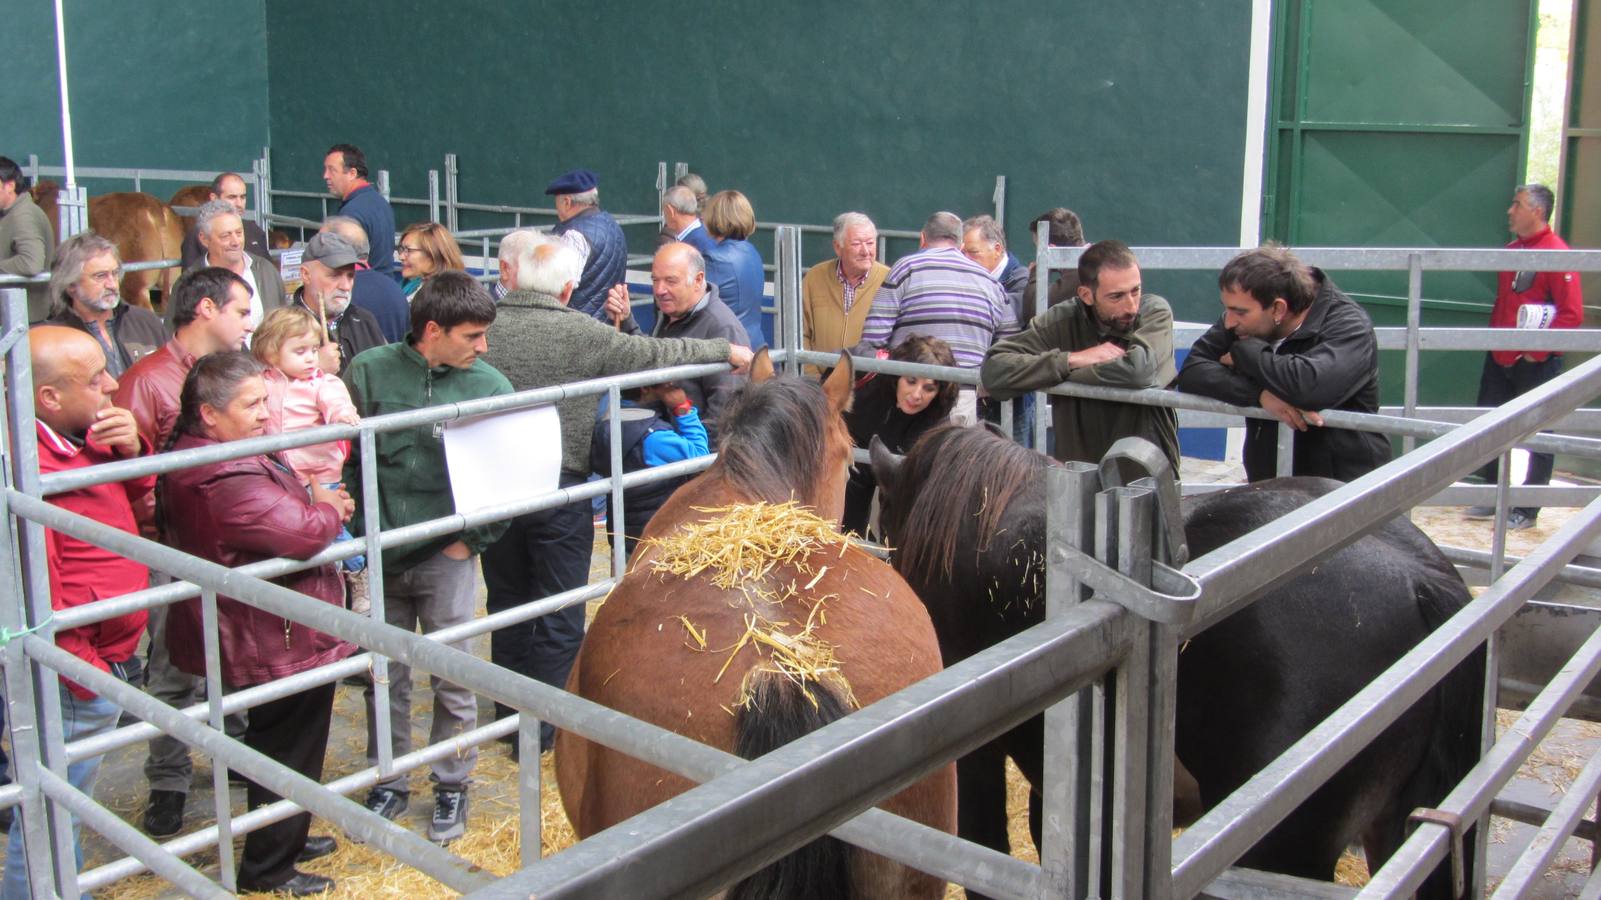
x=79 y=719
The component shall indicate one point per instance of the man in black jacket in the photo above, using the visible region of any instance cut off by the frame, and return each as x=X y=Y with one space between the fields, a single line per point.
x=327 y=271
x=1293 y=343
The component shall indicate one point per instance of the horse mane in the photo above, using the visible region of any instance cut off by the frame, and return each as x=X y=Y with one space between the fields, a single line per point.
x=953 y=476
x=774 y=439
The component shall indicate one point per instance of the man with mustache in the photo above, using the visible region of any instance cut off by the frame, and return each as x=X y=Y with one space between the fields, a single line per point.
x=327 y=274
x=84 y=282
x=1293 y=343
x=1116 y=336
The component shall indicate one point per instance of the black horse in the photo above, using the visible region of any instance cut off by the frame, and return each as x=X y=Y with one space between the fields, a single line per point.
x=1248 y=687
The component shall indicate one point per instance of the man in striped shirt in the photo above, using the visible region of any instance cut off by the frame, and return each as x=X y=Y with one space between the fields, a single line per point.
x=941 y=293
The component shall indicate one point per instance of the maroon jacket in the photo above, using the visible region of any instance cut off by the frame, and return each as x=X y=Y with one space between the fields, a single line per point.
x=239 y=512
x=150 y=390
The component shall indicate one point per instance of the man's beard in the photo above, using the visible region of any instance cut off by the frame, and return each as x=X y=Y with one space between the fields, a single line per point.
x=103 y=302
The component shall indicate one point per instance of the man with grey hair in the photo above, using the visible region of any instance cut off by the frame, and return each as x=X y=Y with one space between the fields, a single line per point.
x=1528 y=300
x=373 y=291
x=940 y=293
x=592 y=232
x=984 y=242
x=681 y=219
x=222 y=236
x=84 y=281
x=230 y=187
x=327 y=271
x=540 y=340
x=837 y=293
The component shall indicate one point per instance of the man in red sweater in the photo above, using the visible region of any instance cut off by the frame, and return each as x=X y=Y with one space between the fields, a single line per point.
x=78 y=427
x=1540 y=300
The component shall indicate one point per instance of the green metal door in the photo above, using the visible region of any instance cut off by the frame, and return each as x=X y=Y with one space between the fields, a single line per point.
x=1581 y=213
x=1401 y=123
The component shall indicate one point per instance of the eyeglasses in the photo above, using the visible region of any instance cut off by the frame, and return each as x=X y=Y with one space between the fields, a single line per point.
x=107 y=275
x=404 y=250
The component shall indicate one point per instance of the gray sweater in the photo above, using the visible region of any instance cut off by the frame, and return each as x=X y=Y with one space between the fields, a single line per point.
x=537 y=342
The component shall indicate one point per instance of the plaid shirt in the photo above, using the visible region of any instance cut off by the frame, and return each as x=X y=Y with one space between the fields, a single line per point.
x=850 y=289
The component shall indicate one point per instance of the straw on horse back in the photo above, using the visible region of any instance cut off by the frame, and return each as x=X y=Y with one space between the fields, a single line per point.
x=737 y=548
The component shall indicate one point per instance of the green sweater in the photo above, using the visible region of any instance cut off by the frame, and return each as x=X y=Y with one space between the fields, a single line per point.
x=413 y=483
x=538 y=342
x=1086 y=429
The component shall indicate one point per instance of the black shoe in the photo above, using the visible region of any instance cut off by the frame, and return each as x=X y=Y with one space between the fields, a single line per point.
x=316 y=848
x=5 y=819
x=1518 y=520
x=164 y=815
x=304 y=884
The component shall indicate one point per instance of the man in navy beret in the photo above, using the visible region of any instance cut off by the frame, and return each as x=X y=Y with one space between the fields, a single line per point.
x=594 y=234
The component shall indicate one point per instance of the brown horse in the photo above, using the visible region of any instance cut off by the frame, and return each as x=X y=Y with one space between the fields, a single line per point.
x=143 y=228
x=697 y=658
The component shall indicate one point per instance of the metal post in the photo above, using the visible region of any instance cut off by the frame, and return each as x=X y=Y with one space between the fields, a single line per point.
x=66 y=105
x=1160 y=707
x=680 y=169
x=1064 y=839
x=792 y=314
x=1414 y=321
x=264 y=185
x=1126 y=513
x=451 y=195
x=138 y=181
x=1285 y=463
x=383 y=183
x=375 y=597
x=661 y=190
x=614 y=521
x=1000 y=200
x=433 y=195
x=530 y=815
x=219 y=769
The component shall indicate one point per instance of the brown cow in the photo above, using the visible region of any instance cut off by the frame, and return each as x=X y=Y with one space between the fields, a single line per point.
x=194 y=195
x=143 y=228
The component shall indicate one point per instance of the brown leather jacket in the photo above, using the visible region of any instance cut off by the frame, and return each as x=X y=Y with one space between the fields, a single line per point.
x=239 y=512
x=150 y=390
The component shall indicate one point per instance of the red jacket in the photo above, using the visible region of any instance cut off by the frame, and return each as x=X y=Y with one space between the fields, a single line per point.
x=1560 y=289
x=82 y=573
x=239 y=512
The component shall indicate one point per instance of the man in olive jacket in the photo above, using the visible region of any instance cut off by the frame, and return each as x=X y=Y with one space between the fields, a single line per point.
x=541 y=341
x=27 y=240
x=1115 y=336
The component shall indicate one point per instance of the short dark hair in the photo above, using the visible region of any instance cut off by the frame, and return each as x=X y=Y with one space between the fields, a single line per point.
x=1100 y=255
x=1268 y=273
x=449 y=299
x=352 y=156
x=1066 y=228
x=1542 y=196
x=11 y=172
x=213 y=281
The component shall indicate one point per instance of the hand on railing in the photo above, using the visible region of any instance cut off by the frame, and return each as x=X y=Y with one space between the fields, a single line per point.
x=1298 y=419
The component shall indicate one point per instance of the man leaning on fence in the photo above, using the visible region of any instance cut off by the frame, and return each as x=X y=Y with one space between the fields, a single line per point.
x=431 y=583
x=1115 y=335
x=540 y=342
x=1527 y=300
x=84 y=294
x=1292 y=343
x=27 y=237
x=79 y=427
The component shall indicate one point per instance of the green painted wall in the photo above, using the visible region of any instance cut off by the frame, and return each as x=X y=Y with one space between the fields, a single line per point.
x=1132 y=114
x=168 y=85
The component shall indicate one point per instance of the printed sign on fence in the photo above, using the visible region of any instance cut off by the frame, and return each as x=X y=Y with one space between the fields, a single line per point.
x=503 y=457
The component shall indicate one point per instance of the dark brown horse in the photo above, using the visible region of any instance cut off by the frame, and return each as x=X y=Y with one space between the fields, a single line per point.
x=696 y=654
x=1248 y=687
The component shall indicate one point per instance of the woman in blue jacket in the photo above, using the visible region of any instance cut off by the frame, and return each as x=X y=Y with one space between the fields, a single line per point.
x=734 y=265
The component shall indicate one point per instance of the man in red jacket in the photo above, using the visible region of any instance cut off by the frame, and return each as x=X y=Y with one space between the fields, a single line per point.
x=1528 y=300
x=78 y=427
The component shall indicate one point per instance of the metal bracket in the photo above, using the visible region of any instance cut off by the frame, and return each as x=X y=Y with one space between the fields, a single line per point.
x=1149 y=457
x=1452 y=822
x=1170 y=599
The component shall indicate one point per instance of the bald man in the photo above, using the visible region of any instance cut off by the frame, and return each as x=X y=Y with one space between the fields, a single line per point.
x=373 y=291
x=77 y=428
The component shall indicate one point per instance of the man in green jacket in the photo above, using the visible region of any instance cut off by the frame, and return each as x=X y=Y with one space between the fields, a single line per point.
x=1116 y=337
x=541 y=341
x=27 y=241
x=430 y=583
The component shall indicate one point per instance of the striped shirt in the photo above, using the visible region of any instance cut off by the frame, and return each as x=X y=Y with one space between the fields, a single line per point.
x=940 y=293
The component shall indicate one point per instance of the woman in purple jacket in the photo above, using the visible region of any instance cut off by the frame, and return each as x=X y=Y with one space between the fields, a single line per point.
x=239 y=512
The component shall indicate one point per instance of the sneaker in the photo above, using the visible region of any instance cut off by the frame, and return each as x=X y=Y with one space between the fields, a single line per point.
x=360 y=602
x=1518 y=520
x=1479 y=512
x=450 y=815
x=387 y=802
x=164 y=814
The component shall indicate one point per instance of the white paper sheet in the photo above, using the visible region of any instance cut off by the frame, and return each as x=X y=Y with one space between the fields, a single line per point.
x=503 y=457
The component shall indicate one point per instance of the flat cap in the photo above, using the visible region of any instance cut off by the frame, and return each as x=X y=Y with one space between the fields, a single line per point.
x=575 y=182
x=332 y=250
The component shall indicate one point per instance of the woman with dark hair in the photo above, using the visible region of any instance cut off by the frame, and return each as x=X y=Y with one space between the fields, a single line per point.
x=425 y=249
x=734 y=265
x=237 y=512
x=897 y=409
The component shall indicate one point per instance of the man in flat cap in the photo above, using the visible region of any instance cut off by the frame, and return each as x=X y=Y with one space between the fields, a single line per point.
x=594 y=234
x=327 y=272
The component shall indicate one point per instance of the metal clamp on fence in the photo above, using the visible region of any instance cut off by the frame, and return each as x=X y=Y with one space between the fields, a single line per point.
x=1453 y=823
x=1170 y=599
x=1164 y=481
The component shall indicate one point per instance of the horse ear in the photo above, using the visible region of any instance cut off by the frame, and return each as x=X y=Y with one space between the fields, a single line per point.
x=837 y=386
x=886 y=465
x=761 y=367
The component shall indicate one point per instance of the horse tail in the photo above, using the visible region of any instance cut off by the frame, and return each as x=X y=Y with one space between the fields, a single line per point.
x=1454 y=744
x=780 y=710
